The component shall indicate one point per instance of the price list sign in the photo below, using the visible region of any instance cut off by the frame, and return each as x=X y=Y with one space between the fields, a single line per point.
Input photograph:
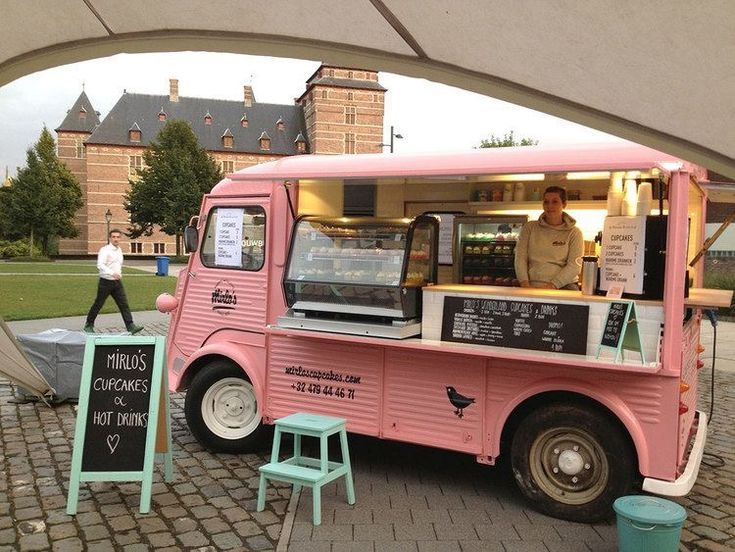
x=559 y=328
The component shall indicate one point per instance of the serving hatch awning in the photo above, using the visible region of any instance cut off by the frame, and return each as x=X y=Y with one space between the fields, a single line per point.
x=618 y=156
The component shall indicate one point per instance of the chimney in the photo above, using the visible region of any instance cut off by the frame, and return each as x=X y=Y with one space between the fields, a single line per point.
x=173 y=93
x=248 y=96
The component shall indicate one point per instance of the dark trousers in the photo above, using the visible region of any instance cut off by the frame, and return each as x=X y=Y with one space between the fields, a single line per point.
x=105 y=288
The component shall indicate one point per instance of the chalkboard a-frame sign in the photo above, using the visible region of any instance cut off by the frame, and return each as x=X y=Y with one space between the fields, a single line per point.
x=620 y=330
x=123 y=417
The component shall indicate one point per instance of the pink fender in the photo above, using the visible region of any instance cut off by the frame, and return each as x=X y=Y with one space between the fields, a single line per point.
x=612 y=401
x=250 y=359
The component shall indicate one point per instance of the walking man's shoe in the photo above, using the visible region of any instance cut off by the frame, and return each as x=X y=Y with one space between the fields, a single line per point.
x=133 y=329
x=89 y=328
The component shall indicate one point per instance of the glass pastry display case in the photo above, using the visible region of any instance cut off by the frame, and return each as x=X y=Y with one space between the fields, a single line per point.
x=484 y=249
x=361 y=266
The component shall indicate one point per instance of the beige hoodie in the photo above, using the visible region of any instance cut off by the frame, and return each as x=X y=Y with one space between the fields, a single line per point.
x=547 y=253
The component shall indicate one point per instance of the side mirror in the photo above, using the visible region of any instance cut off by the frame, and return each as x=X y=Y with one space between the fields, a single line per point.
x=191 y=239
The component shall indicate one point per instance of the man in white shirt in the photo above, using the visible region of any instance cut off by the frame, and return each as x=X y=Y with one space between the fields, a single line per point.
x=109 y=264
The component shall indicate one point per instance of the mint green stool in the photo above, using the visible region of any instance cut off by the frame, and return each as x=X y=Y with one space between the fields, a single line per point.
x=302 y=470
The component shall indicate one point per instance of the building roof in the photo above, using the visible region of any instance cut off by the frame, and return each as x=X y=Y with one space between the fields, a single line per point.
x=73 y=122
x=144 y=110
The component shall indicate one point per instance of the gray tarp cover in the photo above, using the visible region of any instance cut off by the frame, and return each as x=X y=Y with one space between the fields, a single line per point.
x=17 y=367
x=58 y=355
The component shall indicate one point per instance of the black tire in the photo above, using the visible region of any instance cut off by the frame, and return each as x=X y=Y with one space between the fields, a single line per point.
x=222 y=410
x=571 y=462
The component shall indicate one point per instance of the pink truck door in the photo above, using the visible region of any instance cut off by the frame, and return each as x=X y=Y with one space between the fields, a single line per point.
x=227 y=280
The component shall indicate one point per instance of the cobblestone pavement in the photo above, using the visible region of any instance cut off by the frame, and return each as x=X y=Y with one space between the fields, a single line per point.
x=408 y=497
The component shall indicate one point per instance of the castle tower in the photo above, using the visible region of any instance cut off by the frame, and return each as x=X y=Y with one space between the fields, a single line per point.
x=343 y=109
x=77 y=126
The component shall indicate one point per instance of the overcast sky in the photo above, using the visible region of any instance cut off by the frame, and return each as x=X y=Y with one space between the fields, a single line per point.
x=429 y=116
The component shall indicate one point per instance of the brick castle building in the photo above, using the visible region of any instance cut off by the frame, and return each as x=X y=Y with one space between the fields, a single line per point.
x=341 y=111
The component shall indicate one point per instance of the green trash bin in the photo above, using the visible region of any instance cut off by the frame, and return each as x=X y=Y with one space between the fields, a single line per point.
x=648 y=524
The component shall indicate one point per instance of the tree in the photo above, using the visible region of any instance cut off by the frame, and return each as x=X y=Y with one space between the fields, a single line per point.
x=169 y=189
x=508 y=140
x=42 y=199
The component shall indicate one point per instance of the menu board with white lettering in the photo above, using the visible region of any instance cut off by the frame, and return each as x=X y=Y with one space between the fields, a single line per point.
x=623 y=251
x=123 y=416
x=228 y=237
x=560 y=328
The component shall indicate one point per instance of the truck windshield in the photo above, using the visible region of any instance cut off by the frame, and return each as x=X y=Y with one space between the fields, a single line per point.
x=235 y=238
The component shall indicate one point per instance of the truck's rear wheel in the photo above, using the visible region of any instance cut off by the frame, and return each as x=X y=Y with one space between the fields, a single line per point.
x=221 y=409
x=572 y=462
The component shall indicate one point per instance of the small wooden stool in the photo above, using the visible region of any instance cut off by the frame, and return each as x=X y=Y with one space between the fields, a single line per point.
x=303 y=470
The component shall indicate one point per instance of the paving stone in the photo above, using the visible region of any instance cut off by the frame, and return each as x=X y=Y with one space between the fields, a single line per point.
x=332 y=533
x=192 y=539
x=323 y=546
x=7 y=536
x=159 y=540
x=396 y=546
x=710 y=533
x=446 y=531
x=247 y=528
x=353 y=515
x=364 y=546
x=497 y=532
x=73 y=544
x=525 y=546
x=376 y=532
x=95 y=532
x=258 y=542
x=435 y=546
x=227 y=541
x=29 y=543
x=414 y=531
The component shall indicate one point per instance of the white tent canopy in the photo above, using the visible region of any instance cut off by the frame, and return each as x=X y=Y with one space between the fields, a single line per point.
x=659 y=72
x=17 y=367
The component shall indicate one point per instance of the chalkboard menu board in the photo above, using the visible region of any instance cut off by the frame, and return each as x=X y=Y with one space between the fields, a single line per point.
x=123 y=416
x=615 y=324
x=119 y=401
x=560 y=328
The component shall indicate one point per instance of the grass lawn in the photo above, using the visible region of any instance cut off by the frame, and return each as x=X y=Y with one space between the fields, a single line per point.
x=48 y=293
x=57 y=268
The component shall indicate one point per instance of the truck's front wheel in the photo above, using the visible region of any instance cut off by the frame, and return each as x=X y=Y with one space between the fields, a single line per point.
x=572 y=462
x=222 y=409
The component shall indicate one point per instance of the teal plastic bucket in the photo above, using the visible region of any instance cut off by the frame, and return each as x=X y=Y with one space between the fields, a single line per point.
x=648 y=524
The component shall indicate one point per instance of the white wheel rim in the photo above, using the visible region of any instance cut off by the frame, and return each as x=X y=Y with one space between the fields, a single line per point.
x=230 y=408
x=569 y=464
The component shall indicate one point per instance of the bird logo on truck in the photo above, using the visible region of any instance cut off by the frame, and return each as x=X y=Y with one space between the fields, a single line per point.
x=224 y=297
x=458 y=401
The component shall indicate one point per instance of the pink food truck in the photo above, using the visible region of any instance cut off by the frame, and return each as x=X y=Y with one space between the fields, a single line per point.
x=408 y=321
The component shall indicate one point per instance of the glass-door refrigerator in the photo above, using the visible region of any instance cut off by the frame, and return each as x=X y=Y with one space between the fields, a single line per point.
x=484 y=249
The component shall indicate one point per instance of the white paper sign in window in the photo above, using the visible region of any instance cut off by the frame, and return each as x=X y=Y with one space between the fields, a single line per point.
x=623 y=252
x=228 y=238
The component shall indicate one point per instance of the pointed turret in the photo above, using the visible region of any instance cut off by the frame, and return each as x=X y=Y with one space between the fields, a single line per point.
x=82 y=117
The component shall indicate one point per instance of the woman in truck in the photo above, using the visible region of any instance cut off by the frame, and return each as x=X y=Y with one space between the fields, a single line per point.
x=549 y=249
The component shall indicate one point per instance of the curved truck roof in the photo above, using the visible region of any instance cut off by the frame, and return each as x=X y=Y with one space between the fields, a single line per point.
x=521 y=159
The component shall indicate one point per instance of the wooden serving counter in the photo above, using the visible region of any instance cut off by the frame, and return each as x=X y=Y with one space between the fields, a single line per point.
x=698 y=297
x=562 y=321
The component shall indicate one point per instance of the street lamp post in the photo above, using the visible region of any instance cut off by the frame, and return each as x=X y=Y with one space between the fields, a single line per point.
x=392 y=135
x=108 y=218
